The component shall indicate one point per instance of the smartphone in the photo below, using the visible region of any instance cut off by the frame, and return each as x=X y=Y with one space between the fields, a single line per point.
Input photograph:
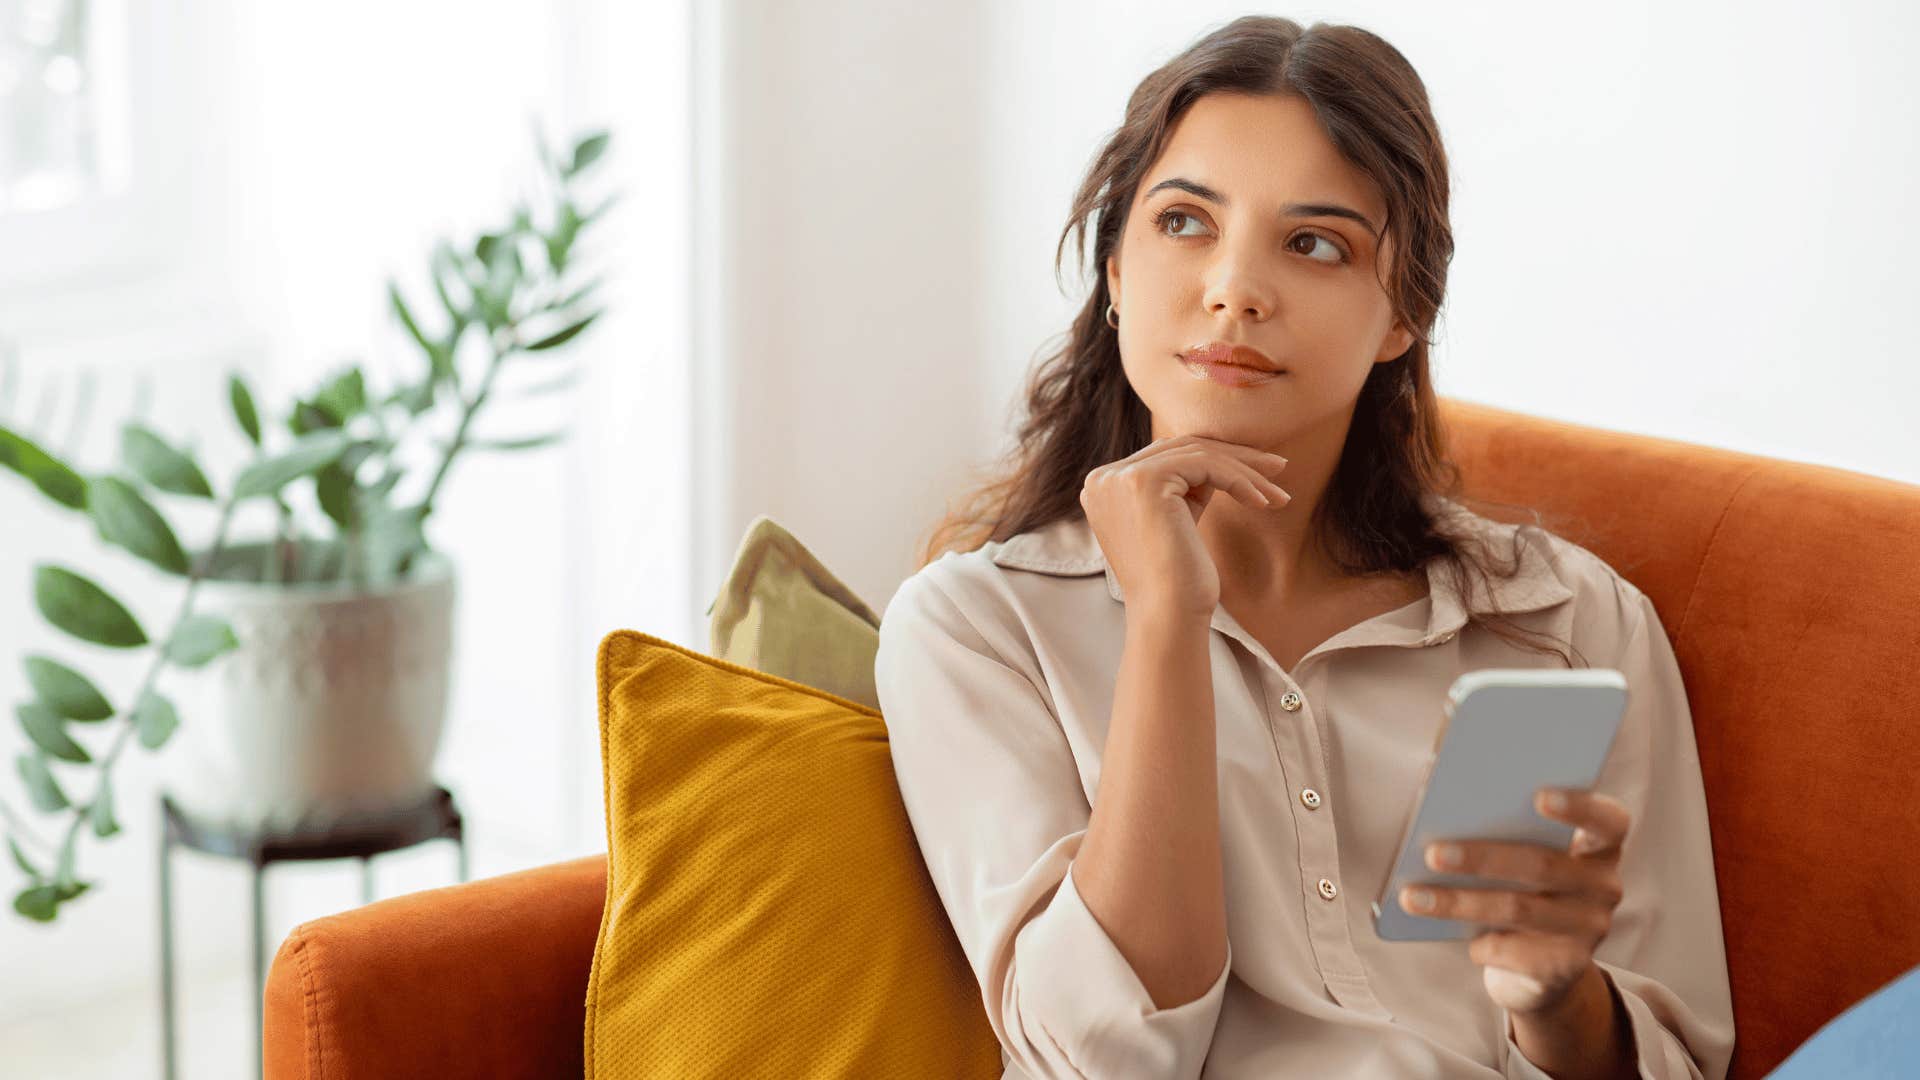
x=1507 y=732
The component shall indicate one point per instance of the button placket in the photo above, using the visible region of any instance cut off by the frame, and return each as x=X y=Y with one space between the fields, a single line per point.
x=1297 y=735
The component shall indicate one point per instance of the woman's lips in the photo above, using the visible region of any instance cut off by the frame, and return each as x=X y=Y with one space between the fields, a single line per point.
x=1228 y=374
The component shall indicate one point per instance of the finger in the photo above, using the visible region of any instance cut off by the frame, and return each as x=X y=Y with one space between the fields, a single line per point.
x=1601 y=817
x=1526 y=863
x=1199 y=465
x=1511 y=908
x=1266 y=461
x=1252 y=470
x=1528 y=951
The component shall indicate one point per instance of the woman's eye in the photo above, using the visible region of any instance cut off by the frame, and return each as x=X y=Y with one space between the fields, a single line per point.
x=1160 y=220
x=1333 y=248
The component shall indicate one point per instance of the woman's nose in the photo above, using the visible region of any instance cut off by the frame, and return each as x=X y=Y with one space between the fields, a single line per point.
x=1239 y=287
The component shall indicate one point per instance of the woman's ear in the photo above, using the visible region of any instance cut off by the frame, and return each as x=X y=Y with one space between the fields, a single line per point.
x=1395 y=344
x=1113 y=280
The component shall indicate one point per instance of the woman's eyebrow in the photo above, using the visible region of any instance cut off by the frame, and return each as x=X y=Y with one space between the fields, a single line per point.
x=1194 y=187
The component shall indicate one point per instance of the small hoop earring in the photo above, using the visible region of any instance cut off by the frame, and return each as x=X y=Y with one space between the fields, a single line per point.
x=1113 y=317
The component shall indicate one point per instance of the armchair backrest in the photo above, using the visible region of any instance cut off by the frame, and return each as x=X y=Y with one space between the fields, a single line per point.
x=1791 y=593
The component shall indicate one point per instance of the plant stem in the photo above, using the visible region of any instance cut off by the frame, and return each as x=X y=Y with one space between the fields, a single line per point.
x=195 y=575
x=469 y=409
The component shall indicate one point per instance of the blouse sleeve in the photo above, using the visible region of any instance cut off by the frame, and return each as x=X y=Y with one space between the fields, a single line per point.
x=996 y=803
x=1664 y=954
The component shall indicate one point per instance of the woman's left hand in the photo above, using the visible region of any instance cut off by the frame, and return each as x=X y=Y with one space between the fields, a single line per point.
x=1539 y=945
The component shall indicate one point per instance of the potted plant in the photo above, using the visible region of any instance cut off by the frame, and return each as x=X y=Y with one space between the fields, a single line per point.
x=328 y=645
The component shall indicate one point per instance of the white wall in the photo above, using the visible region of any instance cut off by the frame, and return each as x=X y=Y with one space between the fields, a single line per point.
x=852 y=274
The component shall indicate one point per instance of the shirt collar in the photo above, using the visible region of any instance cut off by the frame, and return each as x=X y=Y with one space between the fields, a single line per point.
x=1068 y=548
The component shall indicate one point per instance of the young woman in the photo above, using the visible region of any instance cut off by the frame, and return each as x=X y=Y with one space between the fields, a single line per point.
x=1159 y=722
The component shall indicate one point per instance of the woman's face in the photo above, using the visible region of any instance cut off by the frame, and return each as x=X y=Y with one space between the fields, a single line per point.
x=1235 y=235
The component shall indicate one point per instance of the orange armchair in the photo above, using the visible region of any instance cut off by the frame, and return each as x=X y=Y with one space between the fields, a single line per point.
x=1789 y=593
x=475 y=980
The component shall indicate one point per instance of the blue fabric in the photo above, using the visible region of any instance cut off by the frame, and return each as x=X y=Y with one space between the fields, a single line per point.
x=1878 y=1037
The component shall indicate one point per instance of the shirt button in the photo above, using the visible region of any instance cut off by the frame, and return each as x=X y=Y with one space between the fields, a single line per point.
x=1328 y=890
x=1310 y=797
x=1290 y=701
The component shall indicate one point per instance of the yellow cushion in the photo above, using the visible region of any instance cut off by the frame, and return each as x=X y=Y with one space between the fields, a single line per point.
x=783 y=612
x=768 y=912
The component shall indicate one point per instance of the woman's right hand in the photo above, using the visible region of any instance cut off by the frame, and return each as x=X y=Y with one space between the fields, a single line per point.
x=1145 y=510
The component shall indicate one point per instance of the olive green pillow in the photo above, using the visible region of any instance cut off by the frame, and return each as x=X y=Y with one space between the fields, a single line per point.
x=781 y=611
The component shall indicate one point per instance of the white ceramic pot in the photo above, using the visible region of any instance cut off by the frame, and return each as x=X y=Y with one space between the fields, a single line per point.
x=332 y=706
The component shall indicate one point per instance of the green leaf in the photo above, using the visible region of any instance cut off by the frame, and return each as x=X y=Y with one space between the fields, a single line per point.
x=313 y=452
x=560 y=241
x=83 y=609
x=48 y=732
x=63 y=871
x=415 y=399
x=559 y=338
x=100 y=813
x=42 y=789
x=308 y=417
x=49 y=474
x=66 y=691
x=390 y=539
x=440 y=363
x=406 y=316
x=38 y=902
x=155 y=719
x=20 y=859
x=531 y=442
x=444 y=262
x=149 y=457
x=125 y=518
x=243 y=409
x=345 y=396
x=334 y=488
x=199 y=639
x=496 y=295
x=587 y=151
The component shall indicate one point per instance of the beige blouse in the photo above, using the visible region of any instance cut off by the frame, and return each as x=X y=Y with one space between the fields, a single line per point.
x=996 y=673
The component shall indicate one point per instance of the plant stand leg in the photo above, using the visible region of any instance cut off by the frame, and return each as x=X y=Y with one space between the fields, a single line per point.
x=259 y=969
x=167 y=1051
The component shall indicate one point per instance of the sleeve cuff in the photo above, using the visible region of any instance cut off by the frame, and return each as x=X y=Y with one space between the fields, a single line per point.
x=1661 y=1054
x=1658 y=1054
x=1519 y=1066
x=1088 y=999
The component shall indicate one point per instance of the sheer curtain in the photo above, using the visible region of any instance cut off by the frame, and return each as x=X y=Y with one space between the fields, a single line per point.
x=304 y=155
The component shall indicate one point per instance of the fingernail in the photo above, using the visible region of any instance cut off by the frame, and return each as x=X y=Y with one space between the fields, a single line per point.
x=1443 y=856
x=1417 y=900
x=1556 y=801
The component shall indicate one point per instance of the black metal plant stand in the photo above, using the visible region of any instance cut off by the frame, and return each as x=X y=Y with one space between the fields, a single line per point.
x=433 y=818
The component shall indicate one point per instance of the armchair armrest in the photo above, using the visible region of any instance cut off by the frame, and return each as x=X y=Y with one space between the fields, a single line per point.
x=483 y=979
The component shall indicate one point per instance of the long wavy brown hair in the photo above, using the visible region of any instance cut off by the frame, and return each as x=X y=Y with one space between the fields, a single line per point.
x=1376 y=515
